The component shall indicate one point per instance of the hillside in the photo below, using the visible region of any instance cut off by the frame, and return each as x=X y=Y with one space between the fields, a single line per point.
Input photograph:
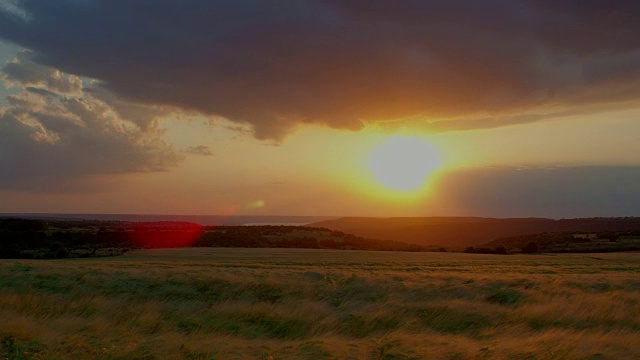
x=461 y=232
x=44 y=239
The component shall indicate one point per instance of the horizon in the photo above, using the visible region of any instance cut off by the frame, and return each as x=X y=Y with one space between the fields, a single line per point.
x=501 y=110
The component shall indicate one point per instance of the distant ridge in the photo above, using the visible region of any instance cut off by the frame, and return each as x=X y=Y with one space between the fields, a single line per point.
x=467 y=231
x=57 y=239
x=204 y=220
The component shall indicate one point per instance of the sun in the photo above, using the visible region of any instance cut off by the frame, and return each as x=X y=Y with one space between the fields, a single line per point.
x=404 y=163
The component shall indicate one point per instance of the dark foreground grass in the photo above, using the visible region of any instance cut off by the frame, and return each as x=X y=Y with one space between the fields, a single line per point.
x=318 y=304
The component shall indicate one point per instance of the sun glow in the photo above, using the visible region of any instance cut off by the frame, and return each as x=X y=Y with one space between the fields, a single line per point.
x=404 y=163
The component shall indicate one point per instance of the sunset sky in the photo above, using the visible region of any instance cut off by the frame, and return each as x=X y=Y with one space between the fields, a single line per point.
x=329 y=107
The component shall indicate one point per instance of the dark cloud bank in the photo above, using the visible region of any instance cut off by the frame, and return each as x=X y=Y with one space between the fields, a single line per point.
x=559 y=192
x=273 y=64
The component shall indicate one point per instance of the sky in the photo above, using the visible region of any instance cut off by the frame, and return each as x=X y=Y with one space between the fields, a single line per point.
x=519 y=108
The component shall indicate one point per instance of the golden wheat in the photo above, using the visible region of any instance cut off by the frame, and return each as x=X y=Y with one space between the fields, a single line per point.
x=319 y=304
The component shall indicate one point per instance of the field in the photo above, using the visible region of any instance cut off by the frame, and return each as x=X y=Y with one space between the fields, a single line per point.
x=226 y=303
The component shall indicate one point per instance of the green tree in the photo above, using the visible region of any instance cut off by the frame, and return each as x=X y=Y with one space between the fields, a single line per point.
x=530 y=248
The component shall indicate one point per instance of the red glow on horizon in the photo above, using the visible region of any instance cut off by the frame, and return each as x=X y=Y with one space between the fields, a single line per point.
x=165 y=234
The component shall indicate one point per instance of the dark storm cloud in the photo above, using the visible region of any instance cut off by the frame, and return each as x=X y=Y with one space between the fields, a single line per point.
x=344 y=62
x=551 y=192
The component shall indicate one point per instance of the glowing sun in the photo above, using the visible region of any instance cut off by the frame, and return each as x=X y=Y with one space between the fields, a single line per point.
x=404 y=163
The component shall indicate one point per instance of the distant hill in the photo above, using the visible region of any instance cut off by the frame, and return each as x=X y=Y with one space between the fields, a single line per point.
x=461 y=232
x=46 y=239
x=295 y=237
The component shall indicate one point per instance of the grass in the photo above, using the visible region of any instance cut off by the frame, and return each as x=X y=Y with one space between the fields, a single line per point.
x=321 y=304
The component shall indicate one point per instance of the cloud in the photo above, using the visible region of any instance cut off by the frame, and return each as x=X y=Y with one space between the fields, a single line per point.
x=23 y=72
x=54 y=136
x=571 y=191
x=343 y=63
x=199 y=150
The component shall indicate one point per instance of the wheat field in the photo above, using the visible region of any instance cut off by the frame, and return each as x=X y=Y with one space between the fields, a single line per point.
x=221 y=303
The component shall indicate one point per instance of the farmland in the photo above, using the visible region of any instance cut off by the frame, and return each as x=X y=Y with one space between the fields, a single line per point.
x=226 y=303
